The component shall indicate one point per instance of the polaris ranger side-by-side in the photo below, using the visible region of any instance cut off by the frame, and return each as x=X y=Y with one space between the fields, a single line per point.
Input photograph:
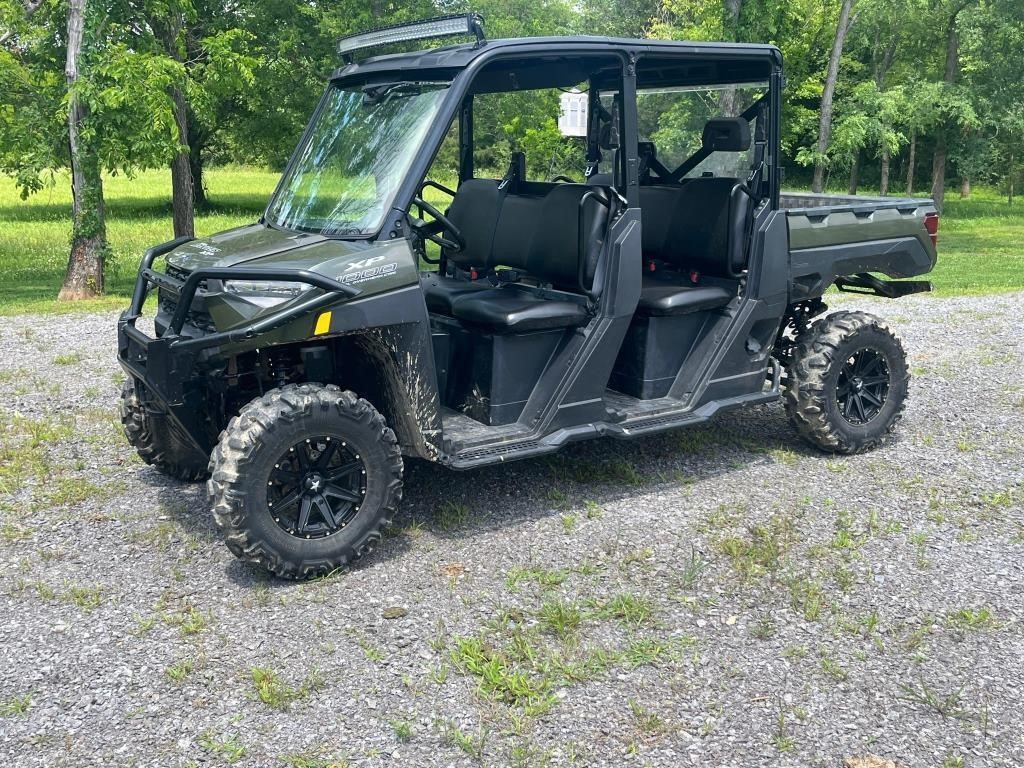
x=297 y=360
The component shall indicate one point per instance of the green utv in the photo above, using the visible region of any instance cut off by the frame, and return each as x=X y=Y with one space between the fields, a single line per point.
x=647 y=277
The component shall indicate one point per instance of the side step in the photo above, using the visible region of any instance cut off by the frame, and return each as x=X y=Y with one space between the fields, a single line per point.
x=512 y=450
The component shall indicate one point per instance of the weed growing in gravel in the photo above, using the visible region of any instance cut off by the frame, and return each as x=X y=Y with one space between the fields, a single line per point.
x=637 y=557
x=16 y=706
x=763 y=550
x=795 y=652
x=529 y=755
x=319 y=758
x=782 y=738
x=497 y=676
x=593 y=509
x=807 y=598
x=276 y=693
x=629 y=610
x=972 y=619
x=559 y=499
x=953 y=761
x=452 y=515
x=692 y=569
x=402 y=729
x=87 y=598
x=68 y=359
x=834 y=669
x=920 y=541
x=721 y=518
x=786 y=456
x=646 y=720
x=560 y=618
x=179 y=670
x=543 y=577
x=438 y=675
x=569 y=523
x=765 y=628
x=620 y=472
x=472 y=744
x=964 y=445
x=12 y=533
x=948 y=705
x=372 y=652
x=228 y=748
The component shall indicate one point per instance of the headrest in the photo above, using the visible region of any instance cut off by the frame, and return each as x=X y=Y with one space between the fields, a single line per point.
x=608 y=137
x=727 y=134
x=646 y=149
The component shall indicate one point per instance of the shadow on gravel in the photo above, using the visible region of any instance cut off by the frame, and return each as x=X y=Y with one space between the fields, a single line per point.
x=461 y=505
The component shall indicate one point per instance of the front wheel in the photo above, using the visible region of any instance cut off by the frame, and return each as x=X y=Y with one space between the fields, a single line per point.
x=304 y=480
x=847 y=383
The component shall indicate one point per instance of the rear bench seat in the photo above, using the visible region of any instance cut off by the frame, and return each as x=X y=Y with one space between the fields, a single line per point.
x=697 y=229
x=537 y=235
x=694 y=235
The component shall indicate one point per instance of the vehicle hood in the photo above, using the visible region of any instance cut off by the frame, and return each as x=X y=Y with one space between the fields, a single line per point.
x=258 y=245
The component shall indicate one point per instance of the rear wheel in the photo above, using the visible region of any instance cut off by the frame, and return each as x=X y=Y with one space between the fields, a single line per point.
x=847 y=383
x=304 y=479
x=153 y=440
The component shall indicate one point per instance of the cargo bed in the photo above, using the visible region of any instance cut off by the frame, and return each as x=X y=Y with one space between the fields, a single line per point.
x=832 y=236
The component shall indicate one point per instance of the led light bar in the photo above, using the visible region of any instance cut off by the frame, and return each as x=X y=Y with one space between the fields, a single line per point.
x=444 y=26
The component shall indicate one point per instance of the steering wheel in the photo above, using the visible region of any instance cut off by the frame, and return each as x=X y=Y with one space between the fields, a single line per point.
x=440 y=231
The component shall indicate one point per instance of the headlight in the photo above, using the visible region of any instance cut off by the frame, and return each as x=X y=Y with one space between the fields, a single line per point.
x=280 y=288
x=266 y=293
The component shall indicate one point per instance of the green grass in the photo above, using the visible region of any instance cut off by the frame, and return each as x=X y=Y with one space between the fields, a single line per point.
x=34 y=236
x=979 y=239
x=980 y=245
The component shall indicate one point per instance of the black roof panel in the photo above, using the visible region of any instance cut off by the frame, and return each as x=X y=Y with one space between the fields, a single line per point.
x=455 y=57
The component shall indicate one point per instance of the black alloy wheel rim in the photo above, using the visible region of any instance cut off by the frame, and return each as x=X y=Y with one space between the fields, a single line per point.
x=863 y=386
x=316 y=487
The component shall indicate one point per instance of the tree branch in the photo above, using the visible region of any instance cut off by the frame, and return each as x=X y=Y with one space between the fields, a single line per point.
x=31 y=6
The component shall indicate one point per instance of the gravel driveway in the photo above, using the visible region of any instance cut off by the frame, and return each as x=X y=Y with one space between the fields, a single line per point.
x=722 y=596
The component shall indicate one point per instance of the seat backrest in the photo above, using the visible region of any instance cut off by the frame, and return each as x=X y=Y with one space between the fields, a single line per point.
x=538 y=234
x=570 y=231
x=700 y=225
x=475 y=212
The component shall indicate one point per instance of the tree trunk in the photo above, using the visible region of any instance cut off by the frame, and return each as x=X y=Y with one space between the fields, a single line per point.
x=939 y=160
x=84 y=277
x=195 y=163
x=854 y=174
x=939 y=170
x=910 y=163
x=883 y=184
x=182 y=187
x=1009 y=192
x=965 y=186
x=728 y=99
x=831 y=76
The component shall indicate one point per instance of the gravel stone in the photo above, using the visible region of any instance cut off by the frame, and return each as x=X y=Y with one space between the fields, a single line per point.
x=801 y=609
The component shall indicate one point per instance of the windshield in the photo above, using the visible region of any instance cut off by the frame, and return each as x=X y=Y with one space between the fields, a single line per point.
x=345 y=176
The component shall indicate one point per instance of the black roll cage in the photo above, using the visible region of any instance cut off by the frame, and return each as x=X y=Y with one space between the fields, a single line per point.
x=461 y=64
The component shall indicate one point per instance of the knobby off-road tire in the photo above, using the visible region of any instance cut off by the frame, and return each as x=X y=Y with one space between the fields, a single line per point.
x=326 y=459
x=155 y=443
x=844 y=358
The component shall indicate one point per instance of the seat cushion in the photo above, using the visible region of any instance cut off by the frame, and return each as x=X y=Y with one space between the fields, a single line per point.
x=660 y=298
x=507 y=310
x=439 y=291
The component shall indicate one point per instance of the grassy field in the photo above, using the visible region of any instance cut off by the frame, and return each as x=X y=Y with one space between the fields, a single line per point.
x=980 y=240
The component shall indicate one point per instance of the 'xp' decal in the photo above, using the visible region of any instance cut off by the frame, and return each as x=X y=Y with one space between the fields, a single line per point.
x=364 y=263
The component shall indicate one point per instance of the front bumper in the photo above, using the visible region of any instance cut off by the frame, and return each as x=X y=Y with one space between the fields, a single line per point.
x=165 y=364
